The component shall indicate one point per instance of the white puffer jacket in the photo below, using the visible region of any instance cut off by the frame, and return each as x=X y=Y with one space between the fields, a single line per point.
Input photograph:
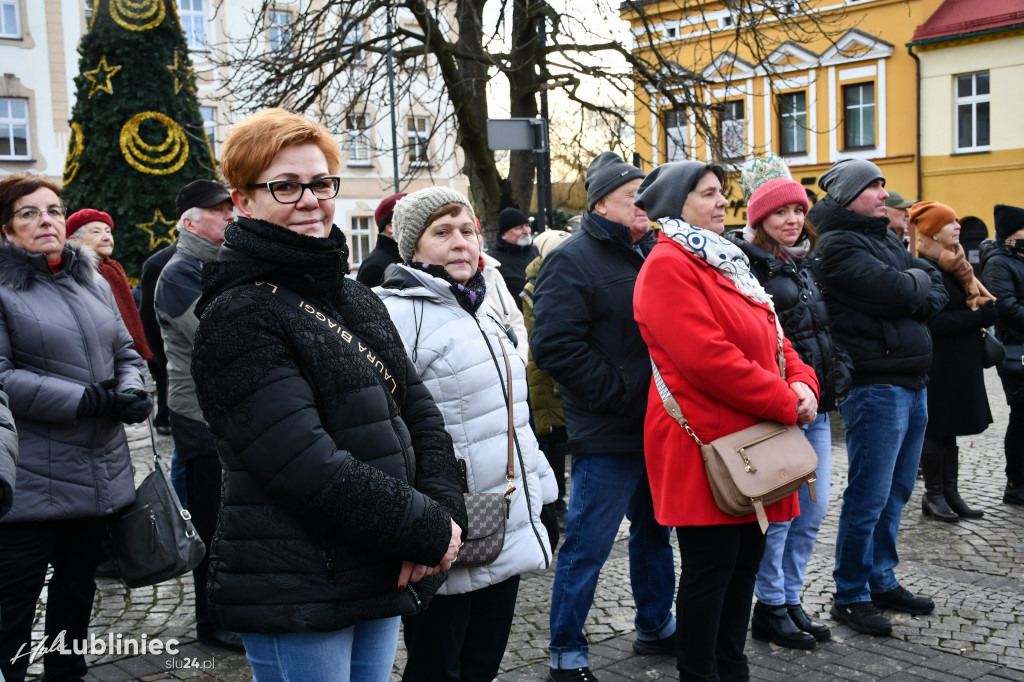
x=448 y=347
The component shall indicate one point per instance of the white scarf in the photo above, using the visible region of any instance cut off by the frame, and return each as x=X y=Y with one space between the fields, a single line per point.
x=720 y=253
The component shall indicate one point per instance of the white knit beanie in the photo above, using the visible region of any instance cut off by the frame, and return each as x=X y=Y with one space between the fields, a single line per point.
x=412 y=212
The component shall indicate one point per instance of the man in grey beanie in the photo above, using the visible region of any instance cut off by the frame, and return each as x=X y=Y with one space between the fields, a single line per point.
x=879 y=300
x=584 y=335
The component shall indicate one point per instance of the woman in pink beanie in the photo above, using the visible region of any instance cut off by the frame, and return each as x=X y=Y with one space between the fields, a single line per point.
x=957 y=400
x=777 y=241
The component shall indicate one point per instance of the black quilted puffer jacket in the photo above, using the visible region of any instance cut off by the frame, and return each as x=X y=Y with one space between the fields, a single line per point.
x=330 y=480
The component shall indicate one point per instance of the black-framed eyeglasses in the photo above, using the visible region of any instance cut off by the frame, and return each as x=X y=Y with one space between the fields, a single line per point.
x=290 y=191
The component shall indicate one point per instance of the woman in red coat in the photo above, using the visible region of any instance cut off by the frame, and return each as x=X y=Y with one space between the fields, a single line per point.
x=712 y=333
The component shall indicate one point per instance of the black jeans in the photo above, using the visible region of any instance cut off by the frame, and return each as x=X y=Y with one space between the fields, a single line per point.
x=1013 y=445
x=461 y=637
x=718 y=566
x=202 y=483
x=72 y=546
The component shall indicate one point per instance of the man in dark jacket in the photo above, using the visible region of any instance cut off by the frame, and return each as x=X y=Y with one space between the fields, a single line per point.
x=514 y=249
x=879 y=300
x=204 y=209
x=371 y=272
x=1003 y=261
x=585 y=337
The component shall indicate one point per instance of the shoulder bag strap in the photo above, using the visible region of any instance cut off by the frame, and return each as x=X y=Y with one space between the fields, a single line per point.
x=506 y=384
x=365 y=352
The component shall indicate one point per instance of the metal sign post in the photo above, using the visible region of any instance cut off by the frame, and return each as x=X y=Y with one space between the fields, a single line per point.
x=524 y=134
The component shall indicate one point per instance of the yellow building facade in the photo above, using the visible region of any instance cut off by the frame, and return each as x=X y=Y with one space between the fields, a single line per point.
x=847 y=84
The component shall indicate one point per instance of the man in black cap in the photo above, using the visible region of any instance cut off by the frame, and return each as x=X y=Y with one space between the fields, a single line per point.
x=879 y=301
x=514 y=250
x=371 y=272
x=584 y=335
x=204 y=210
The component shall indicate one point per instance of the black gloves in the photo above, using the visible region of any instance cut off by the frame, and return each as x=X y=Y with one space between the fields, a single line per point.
x=102 y=399
x=136 y=407
x=99 y=400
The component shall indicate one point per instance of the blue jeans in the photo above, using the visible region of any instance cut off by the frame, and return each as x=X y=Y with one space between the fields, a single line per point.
x=788 y=545
x=604 y=488
x=884 y=433
x=363 y=652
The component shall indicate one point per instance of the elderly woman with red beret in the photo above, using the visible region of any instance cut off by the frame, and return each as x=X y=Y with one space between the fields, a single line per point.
x=95 y=229
x=957 y=401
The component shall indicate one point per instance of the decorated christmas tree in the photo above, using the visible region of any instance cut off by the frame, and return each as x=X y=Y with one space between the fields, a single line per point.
x=137 y=135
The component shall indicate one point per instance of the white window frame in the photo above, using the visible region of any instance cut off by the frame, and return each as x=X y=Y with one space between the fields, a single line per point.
x=209 y=115
x=785 y=127
x=191 y=20
x=863 y=112
x=278 y=23
x=8 y=122
x=677 y=135
x=363 y=230
x=417 y=137
x=9 y=10
x=358 y=149
x=972 y=101
x=736 y=125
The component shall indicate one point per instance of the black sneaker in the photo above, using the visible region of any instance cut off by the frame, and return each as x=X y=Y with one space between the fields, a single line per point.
x=862 y=616
x=902 y=599
x=571 y=675
x=1014 y=494
x=666 y=646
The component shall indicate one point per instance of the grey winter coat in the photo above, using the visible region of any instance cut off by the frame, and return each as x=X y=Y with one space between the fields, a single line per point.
x=451 y=349
x=8 y=455
x=60 y=332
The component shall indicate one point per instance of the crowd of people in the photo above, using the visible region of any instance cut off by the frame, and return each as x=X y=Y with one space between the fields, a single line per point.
x=333 y=436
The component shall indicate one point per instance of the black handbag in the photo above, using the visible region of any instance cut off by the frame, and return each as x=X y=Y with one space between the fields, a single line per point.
x=153 y=538
x=992 y=352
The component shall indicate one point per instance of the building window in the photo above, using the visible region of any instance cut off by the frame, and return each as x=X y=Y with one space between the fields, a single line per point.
x=418 y=139
x=88 y=12
x=972 y=102
x=9 y=27
x=362 y=239
x=13 y=129
x=209 y=115
x=353 y=38
x=358 y=142
x=859 y=105
x=675 y=134
x=193 y=23
x=793 y=123
x=277 y=26
x=734 y=130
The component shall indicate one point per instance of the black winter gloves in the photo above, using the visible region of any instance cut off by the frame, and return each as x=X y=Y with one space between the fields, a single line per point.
x=99 y=400
x=102 y=399
x=138 y=407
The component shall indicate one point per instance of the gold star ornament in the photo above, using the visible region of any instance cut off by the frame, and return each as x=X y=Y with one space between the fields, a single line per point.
x=100 y=77
x=165 y=227
x=182 y=73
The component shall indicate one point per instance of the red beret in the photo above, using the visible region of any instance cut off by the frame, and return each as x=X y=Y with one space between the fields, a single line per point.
x=86 y=215
x=382 y=216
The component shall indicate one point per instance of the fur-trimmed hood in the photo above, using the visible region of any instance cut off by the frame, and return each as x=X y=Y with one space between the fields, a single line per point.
x=19 y=267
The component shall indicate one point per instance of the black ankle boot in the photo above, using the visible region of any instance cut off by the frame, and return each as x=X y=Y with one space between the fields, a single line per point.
x=819 y=631
x=950 y=475
x=933 y=503
x=773 y=624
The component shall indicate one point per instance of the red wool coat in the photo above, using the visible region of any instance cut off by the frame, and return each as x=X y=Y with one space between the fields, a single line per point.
x=717 y=351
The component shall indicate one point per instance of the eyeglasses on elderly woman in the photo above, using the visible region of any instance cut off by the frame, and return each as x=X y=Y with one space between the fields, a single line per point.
x=291 y=191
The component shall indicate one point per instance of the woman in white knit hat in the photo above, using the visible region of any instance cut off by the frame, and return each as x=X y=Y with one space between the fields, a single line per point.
x=456 y=342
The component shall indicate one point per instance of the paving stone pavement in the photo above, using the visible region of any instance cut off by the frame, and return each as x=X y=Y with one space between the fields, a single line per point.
x=973 y=569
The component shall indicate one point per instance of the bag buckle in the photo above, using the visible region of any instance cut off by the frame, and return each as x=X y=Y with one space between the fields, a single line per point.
x=508 y=496
x=748 y=466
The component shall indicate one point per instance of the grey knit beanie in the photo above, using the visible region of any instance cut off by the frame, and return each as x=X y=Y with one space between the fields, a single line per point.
x=846 y=179
x=412 y=211
x=605 y=173
x=663 y=193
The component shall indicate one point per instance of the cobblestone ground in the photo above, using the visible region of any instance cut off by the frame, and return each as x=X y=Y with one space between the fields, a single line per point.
x=974 y=570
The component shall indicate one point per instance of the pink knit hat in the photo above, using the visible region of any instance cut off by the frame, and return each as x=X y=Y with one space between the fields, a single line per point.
x=772 y=195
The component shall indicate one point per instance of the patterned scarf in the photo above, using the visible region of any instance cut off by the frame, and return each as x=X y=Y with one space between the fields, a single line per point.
x=720 y=253
x=469 y=295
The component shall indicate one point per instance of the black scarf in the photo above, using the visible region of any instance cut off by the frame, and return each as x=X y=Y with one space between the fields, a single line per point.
x=469 y=295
